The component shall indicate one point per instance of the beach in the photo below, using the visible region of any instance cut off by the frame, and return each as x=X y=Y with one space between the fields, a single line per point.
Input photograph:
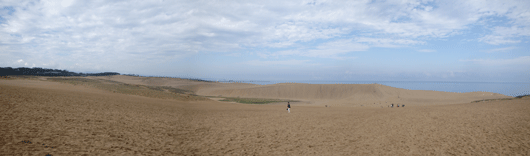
x=40 y=117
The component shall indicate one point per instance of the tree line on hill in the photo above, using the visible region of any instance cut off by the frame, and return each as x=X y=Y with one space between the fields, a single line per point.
x=36 y=71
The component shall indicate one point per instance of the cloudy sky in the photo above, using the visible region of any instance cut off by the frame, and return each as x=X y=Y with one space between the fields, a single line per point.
x=273 y=40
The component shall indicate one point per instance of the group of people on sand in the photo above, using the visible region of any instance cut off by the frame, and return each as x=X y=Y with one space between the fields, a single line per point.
x=392 y=106
x=289 y=106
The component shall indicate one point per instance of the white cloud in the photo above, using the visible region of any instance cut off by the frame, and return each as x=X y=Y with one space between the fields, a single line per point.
x=234 y=54
x=523 y=60
x=517 y=22
x=120 y=34
x=337 y=47
x=427 y=50
x=498 y=40
x=66 y=3
x=280 y=62
x=505 y=49
x=333 y=49
x=387 y=42
x=506 y=35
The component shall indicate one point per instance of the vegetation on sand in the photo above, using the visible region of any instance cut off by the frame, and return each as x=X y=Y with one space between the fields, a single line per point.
x=254 y=100
x=517 y=97
x=163 y=92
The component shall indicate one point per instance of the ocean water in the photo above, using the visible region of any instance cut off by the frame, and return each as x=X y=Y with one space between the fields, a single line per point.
x=506 y=88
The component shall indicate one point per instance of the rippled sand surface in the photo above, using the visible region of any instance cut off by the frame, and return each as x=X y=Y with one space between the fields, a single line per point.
x=39 y=118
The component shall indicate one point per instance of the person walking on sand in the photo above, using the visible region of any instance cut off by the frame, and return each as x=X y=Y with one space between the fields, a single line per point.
x=288 y=107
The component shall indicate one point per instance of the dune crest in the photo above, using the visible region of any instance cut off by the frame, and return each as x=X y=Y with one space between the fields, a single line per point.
x=372 y=95
x=350 y=94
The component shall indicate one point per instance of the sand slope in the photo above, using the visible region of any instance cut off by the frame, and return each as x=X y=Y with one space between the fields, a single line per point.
x=76 y=120
x=367 y=95
x=351 y=94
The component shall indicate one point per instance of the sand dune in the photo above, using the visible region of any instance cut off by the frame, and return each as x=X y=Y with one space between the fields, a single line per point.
x=368 y=95
x=351 y=94
x=151 y=81
x=77 y=120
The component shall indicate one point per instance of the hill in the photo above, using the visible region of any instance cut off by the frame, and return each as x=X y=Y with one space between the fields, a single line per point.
x=6 y=71
x=372 y=95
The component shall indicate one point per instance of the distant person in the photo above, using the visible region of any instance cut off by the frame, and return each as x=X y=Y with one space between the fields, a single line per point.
x=398 y=106
x=392 y=106
x=403 y=106
x=288 y=107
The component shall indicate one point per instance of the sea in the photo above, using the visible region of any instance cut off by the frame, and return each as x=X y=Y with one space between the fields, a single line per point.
x=507 y=88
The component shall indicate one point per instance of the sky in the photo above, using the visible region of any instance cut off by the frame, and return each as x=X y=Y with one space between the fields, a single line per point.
x=362 y=40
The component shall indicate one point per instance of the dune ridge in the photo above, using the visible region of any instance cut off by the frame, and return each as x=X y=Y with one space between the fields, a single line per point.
x=372 y=95
x=351 y=94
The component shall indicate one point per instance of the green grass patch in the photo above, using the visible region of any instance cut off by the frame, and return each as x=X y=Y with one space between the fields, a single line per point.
x=486 y=100
x=254 y=100
x=521 y=96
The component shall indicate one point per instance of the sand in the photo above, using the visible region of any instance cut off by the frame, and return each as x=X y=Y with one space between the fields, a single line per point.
x=77 y=120
x=349 y=95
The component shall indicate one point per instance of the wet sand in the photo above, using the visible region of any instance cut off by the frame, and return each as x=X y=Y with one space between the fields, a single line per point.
x=77 y=120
